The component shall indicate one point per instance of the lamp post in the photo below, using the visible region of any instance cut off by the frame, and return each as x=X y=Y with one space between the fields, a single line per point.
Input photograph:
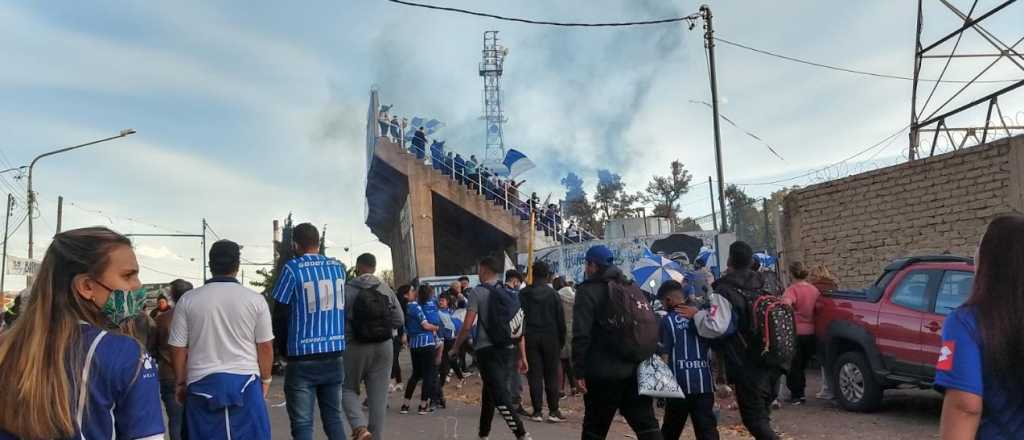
x=31 y=194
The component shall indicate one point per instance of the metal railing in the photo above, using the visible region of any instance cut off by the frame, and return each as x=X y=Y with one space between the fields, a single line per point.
x=548 y=222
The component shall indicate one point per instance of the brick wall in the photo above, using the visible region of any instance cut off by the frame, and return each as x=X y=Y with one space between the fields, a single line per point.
x=857 y=224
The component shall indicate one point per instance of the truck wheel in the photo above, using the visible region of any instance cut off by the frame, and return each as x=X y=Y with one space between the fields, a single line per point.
x=856 y=386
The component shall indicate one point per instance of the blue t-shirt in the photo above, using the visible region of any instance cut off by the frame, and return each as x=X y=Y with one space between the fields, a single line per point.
x=688 y=353
x=314 y=286
x=416 y=314
x=123 y=391
x=960 y=367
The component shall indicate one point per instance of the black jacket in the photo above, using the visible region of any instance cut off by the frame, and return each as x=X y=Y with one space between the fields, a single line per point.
x=740 y=351
x=544 y=312
x=593 y=355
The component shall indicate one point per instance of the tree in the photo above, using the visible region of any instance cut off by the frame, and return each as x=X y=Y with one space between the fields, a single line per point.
x=688 y=224
x=611 y=199
x=577 y=209
x=744 y=217
x=665 y=191
x=388 y=277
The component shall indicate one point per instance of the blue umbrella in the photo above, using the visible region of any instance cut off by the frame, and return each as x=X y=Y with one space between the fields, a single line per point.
x=707 y=254
x=652 y=270
x=767 y=261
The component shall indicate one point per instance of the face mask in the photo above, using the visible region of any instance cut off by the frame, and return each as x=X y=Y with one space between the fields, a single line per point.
x=123 y=305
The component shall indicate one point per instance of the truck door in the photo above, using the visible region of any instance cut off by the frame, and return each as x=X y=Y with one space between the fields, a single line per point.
x=900 y=318
x=952 y=292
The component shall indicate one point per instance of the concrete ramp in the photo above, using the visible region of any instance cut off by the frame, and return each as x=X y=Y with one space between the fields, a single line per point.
x=435 y=225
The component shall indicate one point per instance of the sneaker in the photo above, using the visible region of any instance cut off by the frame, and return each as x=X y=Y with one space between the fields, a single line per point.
x=525 y=437
x=556 y=417
x=522 y=412
x=562 y=396
x=537 y=417
x=425 y=409
x=361 y=433
x=461 y=383
x=776 y=404
x=441 y=404
x=399 y=388
x=391 y=388
x=404 y=409
x=797 y=402
x=825 y=396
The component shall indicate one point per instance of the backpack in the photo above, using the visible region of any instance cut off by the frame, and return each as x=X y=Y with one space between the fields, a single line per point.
x=504 y=320
x=371 y=316
x=774 y=327
x=630 y=321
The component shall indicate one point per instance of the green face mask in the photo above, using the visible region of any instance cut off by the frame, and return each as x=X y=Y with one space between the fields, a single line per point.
x=123 y=305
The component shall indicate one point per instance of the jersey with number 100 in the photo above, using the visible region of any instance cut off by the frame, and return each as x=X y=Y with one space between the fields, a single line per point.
x=314 y=286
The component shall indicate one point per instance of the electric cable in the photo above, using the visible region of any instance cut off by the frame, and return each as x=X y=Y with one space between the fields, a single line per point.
x=690 y=17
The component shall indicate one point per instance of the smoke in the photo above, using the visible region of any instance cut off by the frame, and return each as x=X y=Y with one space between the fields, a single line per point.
x=573 y=187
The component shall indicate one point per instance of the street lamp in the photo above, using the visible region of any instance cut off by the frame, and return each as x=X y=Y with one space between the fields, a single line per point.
x=31 y=195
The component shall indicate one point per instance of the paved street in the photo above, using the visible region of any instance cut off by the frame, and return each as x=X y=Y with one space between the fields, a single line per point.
x=906 y=414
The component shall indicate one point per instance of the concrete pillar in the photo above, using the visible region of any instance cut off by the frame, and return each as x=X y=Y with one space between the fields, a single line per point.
x=422 y=206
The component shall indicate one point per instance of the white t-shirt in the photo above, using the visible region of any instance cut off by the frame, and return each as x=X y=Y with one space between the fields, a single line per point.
x=220 y=324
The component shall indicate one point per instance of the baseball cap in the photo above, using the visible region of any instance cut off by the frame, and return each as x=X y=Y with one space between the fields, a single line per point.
x=225 y=251
x=600 y=255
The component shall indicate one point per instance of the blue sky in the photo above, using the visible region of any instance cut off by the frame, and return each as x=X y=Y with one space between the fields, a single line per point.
x=246 y=112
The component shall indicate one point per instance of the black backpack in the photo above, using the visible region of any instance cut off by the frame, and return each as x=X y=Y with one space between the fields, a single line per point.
x=371 y=316
x=630 y=321
x=770 y=331
x=504 y=320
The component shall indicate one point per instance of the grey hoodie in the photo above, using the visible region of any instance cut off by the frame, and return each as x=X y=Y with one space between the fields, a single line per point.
x=366 y=281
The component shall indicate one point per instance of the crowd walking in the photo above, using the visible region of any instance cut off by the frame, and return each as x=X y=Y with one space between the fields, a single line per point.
x=205 y=354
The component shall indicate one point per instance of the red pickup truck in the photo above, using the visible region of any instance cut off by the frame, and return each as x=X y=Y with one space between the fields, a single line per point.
x=889 y=334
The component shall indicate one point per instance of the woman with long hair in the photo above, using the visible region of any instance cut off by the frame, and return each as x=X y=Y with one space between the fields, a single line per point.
x=67 y=370
x=802 y=296
x=422 y=334
x=982 y=351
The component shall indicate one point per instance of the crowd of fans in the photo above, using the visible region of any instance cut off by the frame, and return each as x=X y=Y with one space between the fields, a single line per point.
x=84 y=360
x=477 y=176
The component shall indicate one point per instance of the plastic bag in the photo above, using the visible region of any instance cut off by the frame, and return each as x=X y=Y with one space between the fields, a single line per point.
x=655 y=379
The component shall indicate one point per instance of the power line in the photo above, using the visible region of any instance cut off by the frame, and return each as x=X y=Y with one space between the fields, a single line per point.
x=168 y=273
x=110 y=218
x=690 y=17
x=854 y=71
x=854 y=156
x=745 y=131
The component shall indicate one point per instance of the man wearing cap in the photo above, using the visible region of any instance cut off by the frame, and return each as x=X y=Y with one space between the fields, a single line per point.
x=607 y=380
x=222 y=350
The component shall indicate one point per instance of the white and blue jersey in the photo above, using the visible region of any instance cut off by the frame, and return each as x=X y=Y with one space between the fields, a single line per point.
x=960 y=367
x=687 y=352
x=418 y=336
x=314 y=286
x=122 y=390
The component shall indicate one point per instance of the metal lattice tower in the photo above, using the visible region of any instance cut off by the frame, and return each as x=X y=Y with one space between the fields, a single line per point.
x=490 y=69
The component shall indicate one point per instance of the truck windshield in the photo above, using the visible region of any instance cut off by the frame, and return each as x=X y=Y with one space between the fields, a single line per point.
x=884 y=279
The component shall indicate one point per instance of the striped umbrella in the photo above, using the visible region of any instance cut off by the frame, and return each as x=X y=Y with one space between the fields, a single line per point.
x=652 y=270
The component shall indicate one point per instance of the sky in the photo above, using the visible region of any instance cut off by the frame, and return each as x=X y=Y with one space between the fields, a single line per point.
x=248 y=112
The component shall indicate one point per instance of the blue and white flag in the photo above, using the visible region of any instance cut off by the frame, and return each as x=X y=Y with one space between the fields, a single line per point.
x=517 y=163
x=429 y=126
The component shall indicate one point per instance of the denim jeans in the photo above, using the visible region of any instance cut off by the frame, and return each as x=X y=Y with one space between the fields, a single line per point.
x=174 y=409
x=318 y=380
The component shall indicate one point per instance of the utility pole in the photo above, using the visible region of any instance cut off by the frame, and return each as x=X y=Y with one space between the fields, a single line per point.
x=766 y=226
x=709 y=43
x=60 y=211
x=204 y=250
x=714 y=223
x=7 y=223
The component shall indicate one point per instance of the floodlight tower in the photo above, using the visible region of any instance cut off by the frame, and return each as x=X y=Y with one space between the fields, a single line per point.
x=490 y=69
